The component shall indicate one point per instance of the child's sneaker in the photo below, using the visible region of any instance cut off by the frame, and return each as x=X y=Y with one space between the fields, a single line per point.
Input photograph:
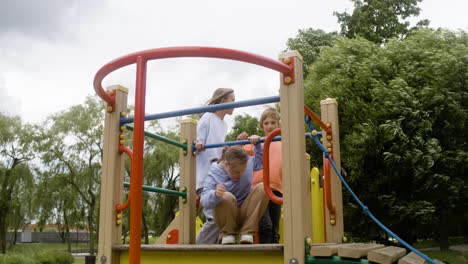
x=246 y=239
x=228 y=240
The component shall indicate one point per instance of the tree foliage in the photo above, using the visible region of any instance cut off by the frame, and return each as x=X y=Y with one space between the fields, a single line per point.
x=72 y=153
x=16 y=140
x=244 y=123
x=378 y=21
x=309 y=43
x=403 y=116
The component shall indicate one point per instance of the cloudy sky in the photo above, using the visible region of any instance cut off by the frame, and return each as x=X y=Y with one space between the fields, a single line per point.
x=51 y=49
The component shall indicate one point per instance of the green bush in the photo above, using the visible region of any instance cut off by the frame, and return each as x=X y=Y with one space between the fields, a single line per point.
x=63 y=258
x=17 y=259
x=54 y=257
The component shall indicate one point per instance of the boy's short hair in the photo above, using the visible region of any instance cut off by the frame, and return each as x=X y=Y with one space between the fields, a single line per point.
x=269 y=112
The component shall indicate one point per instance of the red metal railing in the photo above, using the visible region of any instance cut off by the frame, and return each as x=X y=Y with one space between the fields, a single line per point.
x=266 y=167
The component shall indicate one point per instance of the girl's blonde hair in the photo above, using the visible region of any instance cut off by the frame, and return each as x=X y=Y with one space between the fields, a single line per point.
x=234 y=155
x=269 y=112
x=219 y=94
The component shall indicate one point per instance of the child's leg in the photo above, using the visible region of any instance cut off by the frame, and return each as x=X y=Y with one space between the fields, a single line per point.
x=252 y=210
x=265 y=228
x=209 y=232
x=226 y=215
x=275 y=215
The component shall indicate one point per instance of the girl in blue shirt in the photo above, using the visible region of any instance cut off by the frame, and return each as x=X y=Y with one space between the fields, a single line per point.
x=227 y=189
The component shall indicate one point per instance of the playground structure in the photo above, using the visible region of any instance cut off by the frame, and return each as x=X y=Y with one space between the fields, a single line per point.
x=298 y=232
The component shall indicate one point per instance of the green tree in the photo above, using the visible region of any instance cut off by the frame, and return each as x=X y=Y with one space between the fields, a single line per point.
x=309 y=43
x=378 y=21
x=72 y=149
x=244 y=123
x=161 y=169
x=403 y=116
x=15 y=150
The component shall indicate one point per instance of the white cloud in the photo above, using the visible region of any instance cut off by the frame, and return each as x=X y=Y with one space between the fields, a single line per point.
x=51 y=51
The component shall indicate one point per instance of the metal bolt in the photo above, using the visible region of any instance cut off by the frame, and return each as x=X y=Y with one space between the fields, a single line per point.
x=329 y=144
x=184 y=200
x=184 y=152
x=122 y=142
x=309 y=241
x=169 y=236
x=287 y=60
x=344 y=239
x=119 y=222
x=123 y=128
x=119 y=216
x=332 y=222
x=329 y=150
x=314 y=133
x=110 y=109
x=123 y=114
x=293 y=261
x=183 y=189
x=328 y=124
x=329 y=137
x=287 y=79
x=122 y=136
x=103 y=259
x=194 y=153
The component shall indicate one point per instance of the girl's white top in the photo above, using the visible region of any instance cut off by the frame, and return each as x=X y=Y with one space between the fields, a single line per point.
x=210 y=129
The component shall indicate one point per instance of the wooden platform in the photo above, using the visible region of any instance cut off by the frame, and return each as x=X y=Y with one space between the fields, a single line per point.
x=326 y=253
x=364 y=253
x=206 y=254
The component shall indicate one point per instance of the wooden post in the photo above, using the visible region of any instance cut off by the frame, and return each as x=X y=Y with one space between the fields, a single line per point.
x=110 y=233
x=334 y=224
x=296 y=206
x=187 y=207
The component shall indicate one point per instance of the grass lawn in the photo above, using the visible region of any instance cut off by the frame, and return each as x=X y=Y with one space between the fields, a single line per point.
x=452 y=257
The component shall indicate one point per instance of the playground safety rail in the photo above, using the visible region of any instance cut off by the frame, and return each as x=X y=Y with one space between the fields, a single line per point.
x=204 y=109
x=245 y=142
x=161 y=138
x=160 y=190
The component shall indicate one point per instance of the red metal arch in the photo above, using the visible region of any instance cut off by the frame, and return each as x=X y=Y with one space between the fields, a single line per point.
x=174 y=52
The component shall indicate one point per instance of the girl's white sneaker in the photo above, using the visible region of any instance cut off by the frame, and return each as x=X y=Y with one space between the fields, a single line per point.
x=246 y=239
x=228 y=240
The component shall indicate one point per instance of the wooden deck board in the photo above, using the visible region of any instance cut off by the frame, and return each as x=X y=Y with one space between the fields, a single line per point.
x=386 y=255
x=357 y=250
x=198 y=247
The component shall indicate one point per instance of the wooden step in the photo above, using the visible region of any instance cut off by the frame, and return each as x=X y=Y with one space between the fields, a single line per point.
x=199 y=247
x=324 y=250
x=386 y=255
x=357 y=250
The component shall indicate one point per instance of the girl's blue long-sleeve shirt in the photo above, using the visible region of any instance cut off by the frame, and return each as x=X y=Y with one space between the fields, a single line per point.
x=240 y=189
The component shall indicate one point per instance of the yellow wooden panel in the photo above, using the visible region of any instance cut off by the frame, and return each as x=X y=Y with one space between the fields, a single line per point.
x=210 y=257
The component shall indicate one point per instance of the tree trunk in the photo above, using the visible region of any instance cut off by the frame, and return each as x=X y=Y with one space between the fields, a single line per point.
x=5 y=197
x=3 y=229
x=91 y=228
x=67 y=230
x=444 y=230
x=145 y=229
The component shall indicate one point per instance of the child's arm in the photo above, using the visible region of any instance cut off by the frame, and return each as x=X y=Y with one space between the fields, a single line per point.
x=258 y=159
x=202 y=134
x=209 y=199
